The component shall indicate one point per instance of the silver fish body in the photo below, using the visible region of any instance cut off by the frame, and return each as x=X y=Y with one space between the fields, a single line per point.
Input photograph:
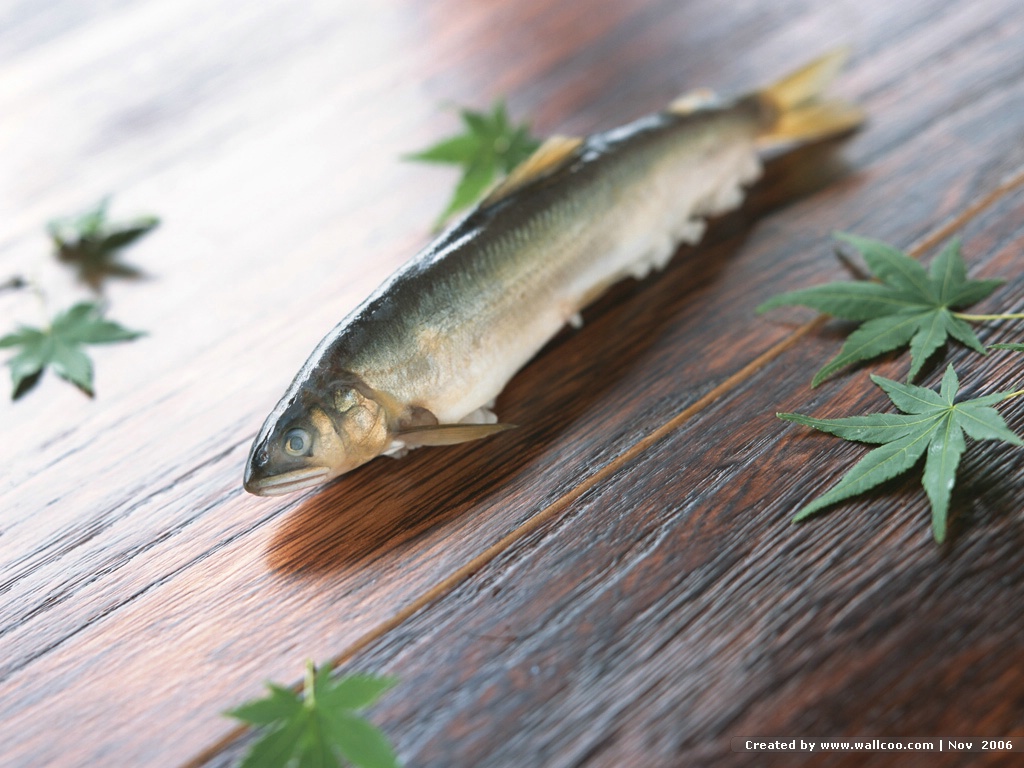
x=421 y=361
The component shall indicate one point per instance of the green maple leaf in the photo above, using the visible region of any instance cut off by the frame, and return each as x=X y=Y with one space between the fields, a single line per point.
x=491 y=146
x=907 y=306
x=320 y=727
x=59 y=346
x=92 y=243
x=932 y=424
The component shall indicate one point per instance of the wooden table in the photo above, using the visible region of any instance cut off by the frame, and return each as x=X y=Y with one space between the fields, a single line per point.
x=617 y=582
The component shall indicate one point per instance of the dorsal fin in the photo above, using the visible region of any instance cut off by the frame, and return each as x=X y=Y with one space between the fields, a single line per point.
x=692 y=101
x=553 y=154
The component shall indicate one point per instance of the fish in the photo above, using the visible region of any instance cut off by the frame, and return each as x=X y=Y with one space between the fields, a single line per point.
x=421 y=361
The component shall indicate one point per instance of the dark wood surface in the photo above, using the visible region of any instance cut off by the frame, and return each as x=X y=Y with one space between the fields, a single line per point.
x=615 y=583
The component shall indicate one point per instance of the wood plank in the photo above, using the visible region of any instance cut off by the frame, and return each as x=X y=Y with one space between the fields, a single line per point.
x=131 y=560
x=695 y=612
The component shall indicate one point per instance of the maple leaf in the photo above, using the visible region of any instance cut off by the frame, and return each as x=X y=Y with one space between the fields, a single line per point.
x=907 y=306
x=318 y=728
x=490 y=146
x=59 y=346
x=92 y=243
x=932 y=424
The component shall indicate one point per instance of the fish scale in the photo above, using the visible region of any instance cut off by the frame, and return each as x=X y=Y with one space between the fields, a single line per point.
x=421 y=361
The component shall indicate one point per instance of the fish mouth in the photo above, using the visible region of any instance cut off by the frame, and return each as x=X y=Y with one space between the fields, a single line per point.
x=287 y=482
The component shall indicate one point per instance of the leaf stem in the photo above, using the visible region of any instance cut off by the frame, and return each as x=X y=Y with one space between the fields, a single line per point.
x=309 y=699
x=1010 y=395
x=982 y=318
x=44 y=305
x=13 y=283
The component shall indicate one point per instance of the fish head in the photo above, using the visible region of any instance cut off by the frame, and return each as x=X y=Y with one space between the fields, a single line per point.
x=315 y=434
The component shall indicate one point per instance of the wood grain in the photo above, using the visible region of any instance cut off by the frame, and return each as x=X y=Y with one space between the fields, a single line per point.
x=143 y=592
x=695 y=613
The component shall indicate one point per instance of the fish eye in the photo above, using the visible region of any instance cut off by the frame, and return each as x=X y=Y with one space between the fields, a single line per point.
x=297 y=442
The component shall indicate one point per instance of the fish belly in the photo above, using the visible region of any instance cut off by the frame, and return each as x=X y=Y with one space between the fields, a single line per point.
x=628 y=231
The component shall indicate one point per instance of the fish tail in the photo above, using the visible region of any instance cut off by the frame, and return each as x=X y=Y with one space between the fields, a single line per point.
x=801 y=112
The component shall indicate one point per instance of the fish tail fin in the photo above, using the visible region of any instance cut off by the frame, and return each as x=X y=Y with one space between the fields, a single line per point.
x=801 y=112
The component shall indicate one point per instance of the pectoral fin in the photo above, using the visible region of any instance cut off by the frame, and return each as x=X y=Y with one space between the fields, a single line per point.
x=449 y=434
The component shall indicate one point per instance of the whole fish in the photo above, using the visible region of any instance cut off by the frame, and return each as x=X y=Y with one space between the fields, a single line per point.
x=421 y=361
